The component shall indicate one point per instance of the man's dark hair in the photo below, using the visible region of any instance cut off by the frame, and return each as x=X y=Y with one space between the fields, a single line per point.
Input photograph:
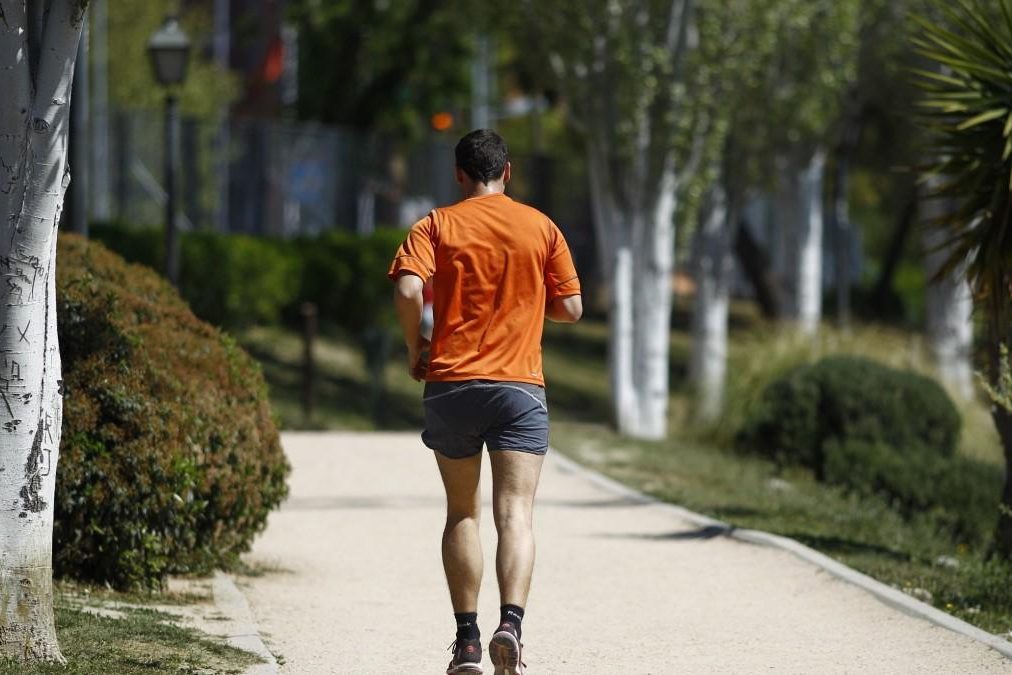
x=482 y=155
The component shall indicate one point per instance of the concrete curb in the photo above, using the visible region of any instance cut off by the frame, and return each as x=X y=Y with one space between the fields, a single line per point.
x=230 y=601
x=887 y=594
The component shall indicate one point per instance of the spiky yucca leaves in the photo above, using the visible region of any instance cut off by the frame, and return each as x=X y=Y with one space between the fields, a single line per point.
x=967 y=109
x=968 y=112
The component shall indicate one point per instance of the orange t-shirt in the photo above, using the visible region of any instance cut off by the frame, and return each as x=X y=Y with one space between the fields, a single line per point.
x=494 y=264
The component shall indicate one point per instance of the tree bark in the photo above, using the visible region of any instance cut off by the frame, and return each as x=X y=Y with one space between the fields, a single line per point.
x=842 y=235
x=756 y=266
x=713 y=267
x=33 y=147
x=640 y=317
x=1000 y=333
x=948 y=306
x=800 y=212
x=882 y=292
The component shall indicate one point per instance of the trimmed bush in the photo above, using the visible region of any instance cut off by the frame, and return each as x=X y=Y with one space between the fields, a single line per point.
x=962 y=494
x=848 y=398
x=228 y=280
x=170 y=460
x=345 y=275
x=237 y=280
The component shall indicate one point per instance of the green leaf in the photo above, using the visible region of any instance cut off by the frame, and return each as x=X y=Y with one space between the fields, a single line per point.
x=983 y=118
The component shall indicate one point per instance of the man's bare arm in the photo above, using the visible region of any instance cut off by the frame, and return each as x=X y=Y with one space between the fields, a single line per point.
x=409 y=303
x=567 y=309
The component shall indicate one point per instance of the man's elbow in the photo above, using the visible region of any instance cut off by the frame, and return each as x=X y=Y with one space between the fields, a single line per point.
x=569 y=309
x=408 y=288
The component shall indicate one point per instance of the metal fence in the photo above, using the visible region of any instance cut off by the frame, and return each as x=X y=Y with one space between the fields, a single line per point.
x=287 y=178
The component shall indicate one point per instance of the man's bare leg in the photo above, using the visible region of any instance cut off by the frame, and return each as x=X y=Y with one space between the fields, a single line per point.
x=515 y=478
x=462 y=560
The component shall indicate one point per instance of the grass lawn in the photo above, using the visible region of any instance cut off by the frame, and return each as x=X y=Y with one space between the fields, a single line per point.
x=694 y=467
x=101 y=631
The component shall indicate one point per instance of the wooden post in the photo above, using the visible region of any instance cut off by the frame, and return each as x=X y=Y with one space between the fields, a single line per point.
x=309 y=320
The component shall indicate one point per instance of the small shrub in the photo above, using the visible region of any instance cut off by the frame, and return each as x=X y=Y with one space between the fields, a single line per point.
x=170 y=460
x=961 y=493
x=848 y=398
x=237 y=280
x=345 y=275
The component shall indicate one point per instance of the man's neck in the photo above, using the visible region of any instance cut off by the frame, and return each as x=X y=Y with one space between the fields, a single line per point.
x=481 y=189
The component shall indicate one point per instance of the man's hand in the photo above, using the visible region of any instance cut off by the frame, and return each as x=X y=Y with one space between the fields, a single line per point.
x=418 y=359
x=408 y=301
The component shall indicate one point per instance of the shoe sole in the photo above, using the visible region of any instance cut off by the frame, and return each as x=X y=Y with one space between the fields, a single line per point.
x=504 y=650
x=465 y=669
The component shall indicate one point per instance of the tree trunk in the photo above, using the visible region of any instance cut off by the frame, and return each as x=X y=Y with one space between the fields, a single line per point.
x=640 y=317
x=806 y=245
x=713 y=291
x=882 y=292
x=758 y=269
x=620 y=329
x=653 y=267
x=1000 y=333
x=33 y=147
x=948 y=307
x=799 y=215
x=842 y=235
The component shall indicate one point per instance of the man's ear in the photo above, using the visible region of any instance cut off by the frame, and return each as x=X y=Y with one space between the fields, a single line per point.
x=506 y=173
x=459 y=175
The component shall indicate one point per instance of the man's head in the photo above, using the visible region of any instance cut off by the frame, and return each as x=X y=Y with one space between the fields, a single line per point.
x=482 y=157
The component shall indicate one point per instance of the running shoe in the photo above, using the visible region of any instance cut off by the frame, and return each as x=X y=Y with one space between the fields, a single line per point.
x=505 y=651
x=466 y=657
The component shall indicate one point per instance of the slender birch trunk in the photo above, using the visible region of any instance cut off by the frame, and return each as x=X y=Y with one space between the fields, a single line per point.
x=34 y=179
x=714 y=263
x=799 y=202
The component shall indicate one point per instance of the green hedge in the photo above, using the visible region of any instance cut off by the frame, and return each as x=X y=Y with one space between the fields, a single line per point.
x=843 y=398
x=170 y=460
x=876 y=430
x=237 y=280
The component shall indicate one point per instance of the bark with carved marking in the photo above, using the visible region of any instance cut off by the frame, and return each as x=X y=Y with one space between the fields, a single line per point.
x=38 y=48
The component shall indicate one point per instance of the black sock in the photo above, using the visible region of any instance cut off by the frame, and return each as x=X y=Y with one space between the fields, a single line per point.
x=467 y=626
x=513 y=615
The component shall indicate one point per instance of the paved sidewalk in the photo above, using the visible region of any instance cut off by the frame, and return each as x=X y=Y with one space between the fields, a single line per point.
x=619 y=588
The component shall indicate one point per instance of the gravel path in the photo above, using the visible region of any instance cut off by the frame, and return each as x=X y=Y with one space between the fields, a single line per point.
x=354 y=584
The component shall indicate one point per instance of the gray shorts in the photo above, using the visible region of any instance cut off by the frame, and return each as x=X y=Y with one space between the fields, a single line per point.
x=460 y=416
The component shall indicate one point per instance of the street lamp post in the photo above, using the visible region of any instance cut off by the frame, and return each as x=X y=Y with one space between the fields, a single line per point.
x=169 y=50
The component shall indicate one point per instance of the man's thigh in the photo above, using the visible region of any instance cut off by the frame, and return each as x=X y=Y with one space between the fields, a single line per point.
x=461 y=480
x=515 y=475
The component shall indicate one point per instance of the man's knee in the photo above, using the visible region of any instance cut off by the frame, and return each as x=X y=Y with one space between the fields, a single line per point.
x=461 y=511
x=513 y=514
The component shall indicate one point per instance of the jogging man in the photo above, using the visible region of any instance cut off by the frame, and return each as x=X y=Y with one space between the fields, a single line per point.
x=498 y=269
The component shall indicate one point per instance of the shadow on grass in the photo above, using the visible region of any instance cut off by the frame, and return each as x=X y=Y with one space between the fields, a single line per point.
x=840 y=546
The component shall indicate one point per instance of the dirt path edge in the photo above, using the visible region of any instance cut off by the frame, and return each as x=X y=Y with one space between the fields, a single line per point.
x=230 y=602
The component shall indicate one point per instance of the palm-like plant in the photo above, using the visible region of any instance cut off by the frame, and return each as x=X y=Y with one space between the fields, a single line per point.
x=968 y=114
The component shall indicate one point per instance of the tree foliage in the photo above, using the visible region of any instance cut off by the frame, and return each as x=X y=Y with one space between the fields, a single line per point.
x=384 y=65
x=132 y=84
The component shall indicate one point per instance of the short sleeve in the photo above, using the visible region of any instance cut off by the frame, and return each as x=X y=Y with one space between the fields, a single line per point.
x=560 y=273
x=417 y=255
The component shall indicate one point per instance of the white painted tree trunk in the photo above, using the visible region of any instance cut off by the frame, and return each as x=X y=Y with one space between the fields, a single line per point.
x=640 y=317
x=33 y=147
x=799 y=202
x=948 y=306
x=714 y=263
